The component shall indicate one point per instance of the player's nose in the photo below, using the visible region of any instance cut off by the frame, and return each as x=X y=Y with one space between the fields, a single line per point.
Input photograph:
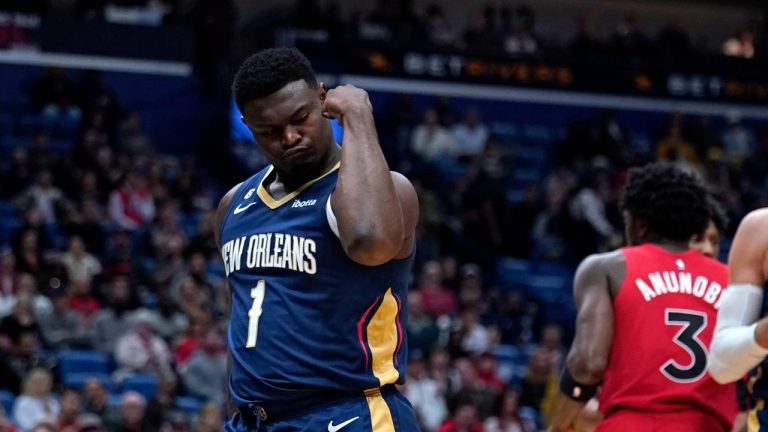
x=291 y=136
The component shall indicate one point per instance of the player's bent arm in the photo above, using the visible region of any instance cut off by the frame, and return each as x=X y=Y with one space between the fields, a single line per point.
x=588 y=357
x=740 y=340
x=373 y=207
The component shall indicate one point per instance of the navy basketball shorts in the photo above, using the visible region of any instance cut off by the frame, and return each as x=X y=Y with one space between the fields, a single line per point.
x=378 y=410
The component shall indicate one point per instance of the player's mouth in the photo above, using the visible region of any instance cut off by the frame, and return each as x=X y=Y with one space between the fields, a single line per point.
x=296 y=152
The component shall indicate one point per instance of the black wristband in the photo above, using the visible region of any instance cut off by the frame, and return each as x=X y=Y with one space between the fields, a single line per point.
x=575 y=390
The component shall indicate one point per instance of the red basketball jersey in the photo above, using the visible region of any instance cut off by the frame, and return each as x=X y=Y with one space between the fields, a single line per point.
x=665 y=314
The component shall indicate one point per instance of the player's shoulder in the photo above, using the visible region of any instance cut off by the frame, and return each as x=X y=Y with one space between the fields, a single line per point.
x=604 y=261
x=754 y=222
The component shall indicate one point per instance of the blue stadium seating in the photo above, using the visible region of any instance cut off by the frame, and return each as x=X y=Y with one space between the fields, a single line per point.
x=142 y=383
x=83 y=362
x=188 y=404
x=6 y=400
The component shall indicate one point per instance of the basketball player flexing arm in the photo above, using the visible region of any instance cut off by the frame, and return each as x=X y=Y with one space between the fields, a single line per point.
x=645 y=315
x=740 y=343
x=317 y=249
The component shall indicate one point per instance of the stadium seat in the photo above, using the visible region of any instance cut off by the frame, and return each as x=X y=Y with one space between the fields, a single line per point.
x=83 y=362
x=188 y=404
x=142 y=383
x=6 y=400
x=114 y=399
x=77 y=380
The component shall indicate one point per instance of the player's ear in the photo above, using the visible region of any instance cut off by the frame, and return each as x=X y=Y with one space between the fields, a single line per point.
x=322 y=90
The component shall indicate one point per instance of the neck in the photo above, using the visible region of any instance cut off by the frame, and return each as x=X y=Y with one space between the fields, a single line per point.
x=670 y=245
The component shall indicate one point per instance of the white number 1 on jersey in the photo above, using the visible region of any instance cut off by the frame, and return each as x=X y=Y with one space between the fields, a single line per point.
x=257 y=294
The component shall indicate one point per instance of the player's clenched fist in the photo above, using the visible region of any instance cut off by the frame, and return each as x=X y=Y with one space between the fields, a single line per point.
x=345 y=99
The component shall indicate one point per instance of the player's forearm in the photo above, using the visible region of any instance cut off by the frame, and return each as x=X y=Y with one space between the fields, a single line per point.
x=739 y=342
x=365 y=201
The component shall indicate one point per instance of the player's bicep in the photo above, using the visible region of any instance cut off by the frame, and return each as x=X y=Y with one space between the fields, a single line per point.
x=594 y=325
x=409 y=203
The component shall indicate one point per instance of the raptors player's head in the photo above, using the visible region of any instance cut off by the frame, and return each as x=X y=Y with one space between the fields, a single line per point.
x=708 y=242
x=664 y=203
x=282 y=103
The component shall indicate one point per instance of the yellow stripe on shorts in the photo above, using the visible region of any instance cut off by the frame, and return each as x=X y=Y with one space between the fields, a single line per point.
x=381 y=418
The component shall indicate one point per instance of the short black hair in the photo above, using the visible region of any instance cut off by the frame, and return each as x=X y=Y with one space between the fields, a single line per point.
x=673 y=202
x=268 y=71
x=717 y=214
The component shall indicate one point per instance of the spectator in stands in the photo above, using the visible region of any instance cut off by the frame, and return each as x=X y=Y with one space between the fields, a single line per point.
x=479 y=34
x=96 y=398
x=589 y=230
x=8 y=282
x=42 y=195
x=205 y=374
x=63 y=328
x=131 y=205
x=142 y=351
x=22 y=319
x=738 y=140
x=465 y=419
x=208 y=419
x=430 y=140
x=130 y=138
x=131 y=414
x=507 y=417
x=437 y=299
x=518 y=222
x=165 y=227
x=86 y=223
x=17 y=174
x=160 y=407
x=69 y=413
x=467 y=387
x=54 y=95
x=537 y=377
x=741 y=45
x=36 y=403
x=29 y=255
x=422 y=330
x=83 y=302
x=439 y=32
x=486 y=366
x=203 y=240
x=628 y=38
x=524 y=40
x=27 y=355
x=112 y=322
x=80 y=264
x=170 y=260
x=170 y=319
x=426 y=396
x=470 y=136
x=190 y=343
x=674 y=148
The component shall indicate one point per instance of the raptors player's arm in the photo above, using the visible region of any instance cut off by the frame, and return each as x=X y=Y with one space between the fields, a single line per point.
x=376 y=210
x=221 y=212
x=740 y=341
x=588 y=357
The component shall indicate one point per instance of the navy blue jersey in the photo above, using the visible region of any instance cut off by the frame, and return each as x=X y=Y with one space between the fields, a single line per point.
x=305 y=318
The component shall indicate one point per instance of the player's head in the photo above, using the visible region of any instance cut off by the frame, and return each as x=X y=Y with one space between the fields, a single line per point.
x=662 y=202
x=708 y=242
x=281 y=102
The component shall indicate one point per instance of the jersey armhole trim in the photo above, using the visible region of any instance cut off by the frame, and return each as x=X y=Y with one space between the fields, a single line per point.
x=332 y=223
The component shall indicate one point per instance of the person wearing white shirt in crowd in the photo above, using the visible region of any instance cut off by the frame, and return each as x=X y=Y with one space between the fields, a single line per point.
x=425 y=395
x=470 y=136
x=80 y=264
x=36 y=403
x=142 y=351
x=431 y=140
